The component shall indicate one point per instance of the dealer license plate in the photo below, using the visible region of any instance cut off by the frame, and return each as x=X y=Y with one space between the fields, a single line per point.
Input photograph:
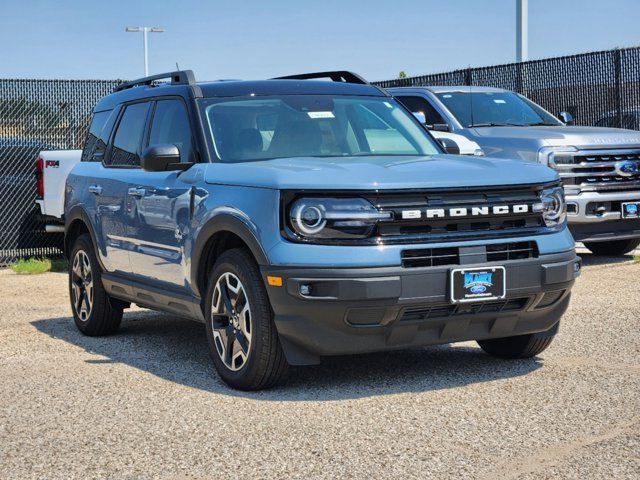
x=477 y=284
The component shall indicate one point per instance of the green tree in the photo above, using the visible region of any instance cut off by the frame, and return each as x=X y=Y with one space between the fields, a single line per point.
x=402 y=74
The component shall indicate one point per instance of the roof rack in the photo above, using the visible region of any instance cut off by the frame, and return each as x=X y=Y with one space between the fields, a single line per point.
x=180 y=77
x=336 y=76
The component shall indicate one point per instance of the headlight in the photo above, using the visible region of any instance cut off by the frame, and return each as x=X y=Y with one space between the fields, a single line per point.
x=334 y=218
x=552 y=206
x=554 y=156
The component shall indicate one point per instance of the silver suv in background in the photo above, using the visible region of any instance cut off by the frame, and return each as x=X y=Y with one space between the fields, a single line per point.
x=599 y=167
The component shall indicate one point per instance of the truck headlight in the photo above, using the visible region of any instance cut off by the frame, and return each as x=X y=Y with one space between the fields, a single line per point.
x=554 y=156
x=552 y=206
x=334 y=218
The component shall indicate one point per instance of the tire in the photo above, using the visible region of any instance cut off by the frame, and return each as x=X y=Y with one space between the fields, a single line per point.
x=94 y=311
x=613 y=248
x=243 y=345
x=522 y=346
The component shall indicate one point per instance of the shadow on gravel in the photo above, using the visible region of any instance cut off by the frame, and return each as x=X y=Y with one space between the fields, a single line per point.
x=589 y=259
x=175 y=350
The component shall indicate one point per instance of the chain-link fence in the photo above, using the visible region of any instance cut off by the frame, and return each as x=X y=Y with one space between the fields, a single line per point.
x=598 y=89
x=36 y=115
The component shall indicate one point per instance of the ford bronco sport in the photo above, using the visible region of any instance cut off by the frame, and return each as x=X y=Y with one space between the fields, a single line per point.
x=300 y=218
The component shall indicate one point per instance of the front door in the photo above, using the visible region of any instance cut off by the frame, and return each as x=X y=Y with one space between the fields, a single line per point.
x=161 y=200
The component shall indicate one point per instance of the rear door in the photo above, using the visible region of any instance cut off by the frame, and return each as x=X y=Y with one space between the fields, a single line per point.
x=109 y=187
x=161 y=201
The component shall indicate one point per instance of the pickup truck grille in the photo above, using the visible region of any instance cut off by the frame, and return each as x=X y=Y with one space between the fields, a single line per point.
x=465 y=214
x=602 y=170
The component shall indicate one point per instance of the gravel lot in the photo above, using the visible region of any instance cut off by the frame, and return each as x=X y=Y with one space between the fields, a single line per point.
x=146 y=403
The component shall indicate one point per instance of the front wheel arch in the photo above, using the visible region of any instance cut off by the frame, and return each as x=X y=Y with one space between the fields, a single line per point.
x=218 y=235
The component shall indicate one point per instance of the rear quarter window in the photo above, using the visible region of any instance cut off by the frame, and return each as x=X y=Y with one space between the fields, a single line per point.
x=98 y=123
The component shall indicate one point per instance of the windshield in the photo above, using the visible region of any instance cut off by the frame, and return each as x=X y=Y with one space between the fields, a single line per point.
x=488 y=109
x=262 y=128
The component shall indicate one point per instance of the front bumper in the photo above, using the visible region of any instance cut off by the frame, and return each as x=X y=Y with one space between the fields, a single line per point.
x=373 y=309
x=586 y=226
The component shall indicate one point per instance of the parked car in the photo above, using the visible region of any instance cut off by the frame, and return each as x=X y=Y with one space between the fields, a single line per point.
x=599 y=167
x=323 y=219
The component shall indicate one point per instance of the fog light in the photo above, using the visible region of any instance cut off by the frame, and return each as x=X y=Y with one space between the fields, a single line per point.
x=305 y=290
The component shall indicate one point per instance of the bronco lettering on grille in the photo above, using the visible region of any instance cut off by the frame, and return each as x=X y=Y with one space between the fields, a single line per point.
x=466 y=211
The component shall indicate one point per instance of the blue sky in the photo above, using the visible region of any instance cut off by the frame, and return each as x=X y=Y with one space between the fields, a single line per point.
x=258 y=39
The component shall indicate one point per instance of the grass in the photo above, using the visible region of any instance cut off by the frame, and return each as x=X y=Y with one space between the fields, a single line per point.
x=33 y=266
x=636 y=259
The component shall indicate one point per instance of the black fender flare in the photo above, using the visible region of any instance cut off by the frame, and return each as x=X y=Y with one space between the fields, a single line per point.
x=230 y=221
x=77 y=212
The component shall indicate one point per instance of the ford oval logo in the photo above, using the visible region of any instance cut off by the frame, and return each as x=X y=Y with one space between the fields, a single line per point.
x=627 y=168
x=478 y=289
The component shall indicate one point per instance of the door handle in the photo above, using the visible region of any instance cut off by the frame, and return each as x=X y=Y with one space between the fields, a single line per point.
x=95 y=189
x=137 y=192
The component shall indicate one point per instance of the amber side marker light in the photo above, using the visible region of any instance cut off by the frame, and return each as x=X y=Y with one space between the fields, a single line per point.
x=274 y=281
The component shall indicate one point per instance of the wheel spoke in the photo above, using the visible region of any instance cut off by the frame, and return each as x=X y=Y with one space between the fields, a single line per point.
x=225 y=298
x=242 y=342
x=229 y=344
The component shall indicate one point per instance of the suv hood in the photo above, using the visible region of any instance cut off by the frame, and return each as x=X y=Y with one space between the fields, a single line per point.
x=378 y=173
x=560 y=136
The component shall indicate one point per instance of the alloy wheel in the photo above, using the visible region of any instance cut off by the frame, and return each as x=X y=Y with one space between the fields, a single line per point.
x=231 y=321
x=82 y=285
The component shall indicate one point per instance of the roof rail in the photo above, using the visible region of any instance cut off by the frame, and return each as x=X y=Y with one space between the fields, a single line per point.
x=180 y=77
x=336 y=76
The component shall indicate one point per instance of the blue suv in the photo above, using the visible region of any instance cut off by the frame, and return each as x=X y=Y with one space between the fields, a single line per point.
x=299 y=218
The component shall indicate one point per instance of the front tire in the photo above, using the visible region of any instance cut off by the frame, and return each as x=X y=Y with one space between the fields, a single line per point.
x=95 y=313
x=521 y=346
x=613 y=248
x=242 y=337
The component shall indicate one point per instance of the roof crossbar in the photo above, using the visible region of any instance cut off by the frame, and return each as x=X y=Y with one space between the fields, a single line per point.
x=180 y=77
x=336 y=76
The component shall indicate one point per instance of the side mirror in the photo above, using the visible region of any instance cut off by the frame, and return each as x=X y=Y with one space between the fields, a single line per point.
x=420 y=116
x=450 y=146
x=162 y=158
x=440 y=127
x=566 y=118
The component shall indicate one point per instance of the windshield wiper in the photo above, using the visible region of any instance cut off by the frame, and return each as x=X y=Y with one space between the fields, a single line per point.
x=497 y=125
x=541 y=124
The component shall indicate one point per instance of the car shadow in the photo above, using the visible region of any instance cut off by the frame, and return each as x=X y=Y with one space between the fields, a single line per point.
x=175 y=349
x=589 y=259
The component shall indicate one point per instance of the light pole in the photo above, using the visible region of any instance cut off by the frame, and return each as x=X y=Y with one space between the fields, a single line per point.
x=522 y=30
x=144 y=31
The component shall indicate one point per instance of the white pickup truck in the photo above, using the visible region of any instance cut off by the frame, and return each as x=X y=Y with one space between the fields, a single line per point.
x=52 y=169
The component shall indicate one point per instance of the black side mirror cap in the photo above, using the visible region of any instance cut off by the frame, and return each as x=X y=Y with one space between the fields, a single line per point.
x=450 y=146
x=162 y=158
x=566 y=118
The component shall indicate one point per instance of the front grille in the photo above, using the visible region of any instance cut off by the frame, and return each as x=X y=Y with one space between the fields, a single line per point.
x=597 y=171
x=427 y=312
x=498 y=252
x=490 y=213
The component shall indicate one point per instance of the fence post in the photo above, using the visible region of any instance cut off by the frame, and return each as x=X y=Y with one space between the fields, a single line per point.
x=617 y=68
x=468 y=77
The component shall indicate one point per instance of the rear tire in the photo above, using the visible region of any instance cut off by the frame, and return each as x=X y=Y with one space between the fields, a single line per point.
x=242 y=337
x=94 y=311
x=522 y=346
x=613 y=248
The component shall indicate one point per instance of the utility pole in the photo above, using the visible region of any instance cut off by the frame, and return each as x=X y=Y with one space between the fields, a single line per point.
x=144 y=31
x=522 y=30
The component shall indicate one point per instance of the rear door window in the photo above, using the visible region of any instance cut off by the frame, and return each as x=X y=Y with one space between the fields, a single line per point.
x=125 y=151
